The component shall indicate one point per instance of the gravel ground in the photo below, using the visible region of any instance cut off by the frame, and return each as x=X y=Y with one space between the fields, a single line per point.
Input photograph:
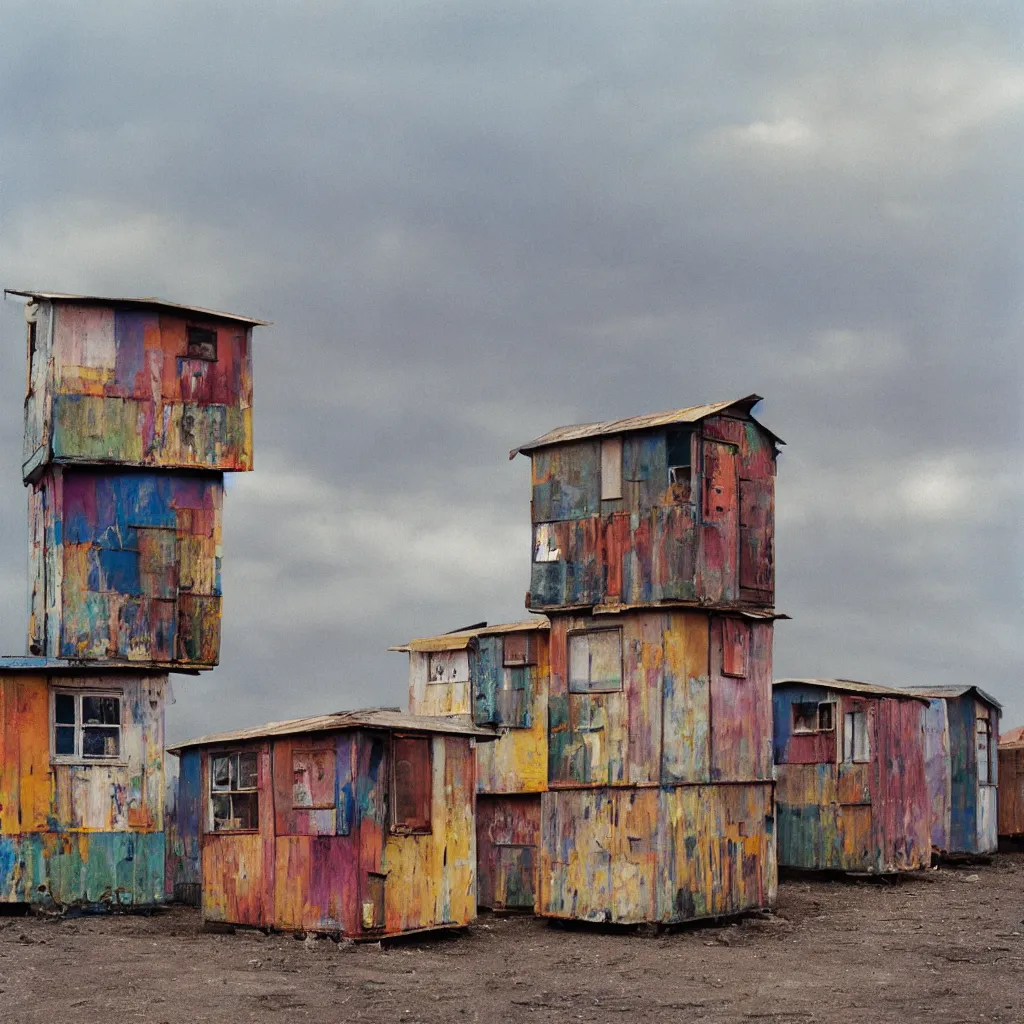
x=944 y=946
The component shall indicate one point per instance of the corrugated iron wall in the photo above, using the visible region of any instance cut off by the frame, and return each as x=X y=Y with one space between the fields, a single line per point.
x=837 y=814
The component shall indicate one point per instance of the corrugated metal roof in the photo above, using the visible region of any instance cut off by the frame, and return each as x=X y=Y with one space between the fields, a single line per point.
x=851 y=686
x=149 y=302
x=579 y=431
x=935 y=692
x=365 y=718
x=461 y=639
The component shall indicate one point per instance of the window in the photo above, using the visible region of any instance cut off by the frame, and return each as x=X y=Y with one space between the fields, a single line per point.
x=983 y=730
x=679 y=449
x=410 y=784
x=611 y=469
x=448 y=667
x=233 y=792
x=201 y=343
x=86 y=726
x=545 y=544
x=595 y=661
x=734 y=647
x=519 y=649
x=813 y=717
x=856 y=747
x=313 y=779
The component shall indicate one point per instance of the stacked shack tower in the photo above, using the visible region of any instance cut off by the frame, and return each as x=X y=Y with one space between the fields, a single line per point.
x=135 y=409
x=652 y=556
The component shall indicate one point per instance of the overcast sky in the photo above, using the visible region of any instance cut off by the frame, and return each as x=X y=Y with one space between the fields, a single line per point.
x=471 y=222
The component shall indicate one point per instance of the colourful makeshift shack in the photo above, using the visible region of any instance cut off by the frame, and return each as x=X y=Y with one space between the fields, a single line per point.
x=81 y=784
x=962 y=741
x=653 y=557
x=852 y=793
x=358 y=823
x=497 y=677
x=1011 y=785
x=134 y=409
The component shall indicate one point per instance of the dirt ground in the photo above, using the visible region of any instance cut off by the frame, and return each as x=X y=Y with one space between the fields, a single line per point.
x=944 y=946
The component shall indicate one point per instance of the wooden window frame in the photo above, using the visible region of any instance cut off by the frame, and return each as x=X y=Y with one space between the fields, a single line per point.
x=78 y=758
x=238 y=791
x=574 y=633
x=819 y=704
x=985 y=725
x=422 y=826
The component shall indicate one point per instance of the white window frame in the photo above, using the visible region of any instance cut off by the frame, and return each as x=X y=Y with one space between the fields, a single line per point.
x=577 y=634
x=77 y=757
x=851 y=753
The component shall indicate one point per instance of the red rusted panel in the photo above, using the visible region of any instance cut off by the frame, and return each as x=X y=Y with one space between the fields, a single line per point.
x=725 y=428
x=717 y=574
x=508 y=834
x=757 y=538
x=741 y=706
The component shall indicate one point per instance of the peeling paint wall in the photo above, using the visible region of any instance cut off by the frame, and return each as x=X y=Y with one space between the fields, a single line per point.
x=835 y=813
x=119 y=385
x=81 y=832
x=701 y=532
x=677 y=718
x=651 y=854
x=336 y=863
x=126 y=566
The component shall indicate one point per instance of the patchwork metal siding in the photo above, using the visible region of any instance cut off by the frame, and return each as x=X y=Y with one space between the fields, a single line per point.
x=183 y=827
x=129 y=568
x=838 y=814
x=677 y=718
x=680 y=853
x=120 y=386
x=343 y=868
x=508 y=841
x=1011 y=790
x=81 y=833
x=706 y=537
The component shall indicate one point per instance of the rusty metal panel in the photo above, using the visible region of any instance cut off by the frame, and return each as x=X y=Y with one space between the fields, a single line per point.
x=741 y=706
x=757 y=538
x=508 y=834
x=1011 y=790
x=567 y=482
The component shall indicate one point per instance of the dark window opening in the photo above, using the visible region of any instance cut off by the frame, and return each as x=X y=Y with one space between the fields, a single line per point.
x=679 y=450
x=202 y=342
x=233 y=792
x=86 y=726
x=410 y=784
x=813 y=717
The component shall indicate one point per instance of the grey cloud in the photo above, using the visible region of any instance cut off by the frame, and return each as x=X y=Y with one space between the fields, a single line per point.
x=471 y=223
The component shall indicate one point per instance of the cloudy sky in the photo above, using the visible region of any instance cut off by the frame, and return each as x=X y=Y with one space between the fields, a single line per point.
x=473 y=221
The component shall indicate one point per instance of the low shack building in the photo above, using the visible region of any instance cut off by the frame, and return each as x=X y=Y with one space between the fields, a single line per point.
x=961 y=742
x=81 y=784
x=495 y=676
x=1011 y=785
x=359 y=823
x=852 y=792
